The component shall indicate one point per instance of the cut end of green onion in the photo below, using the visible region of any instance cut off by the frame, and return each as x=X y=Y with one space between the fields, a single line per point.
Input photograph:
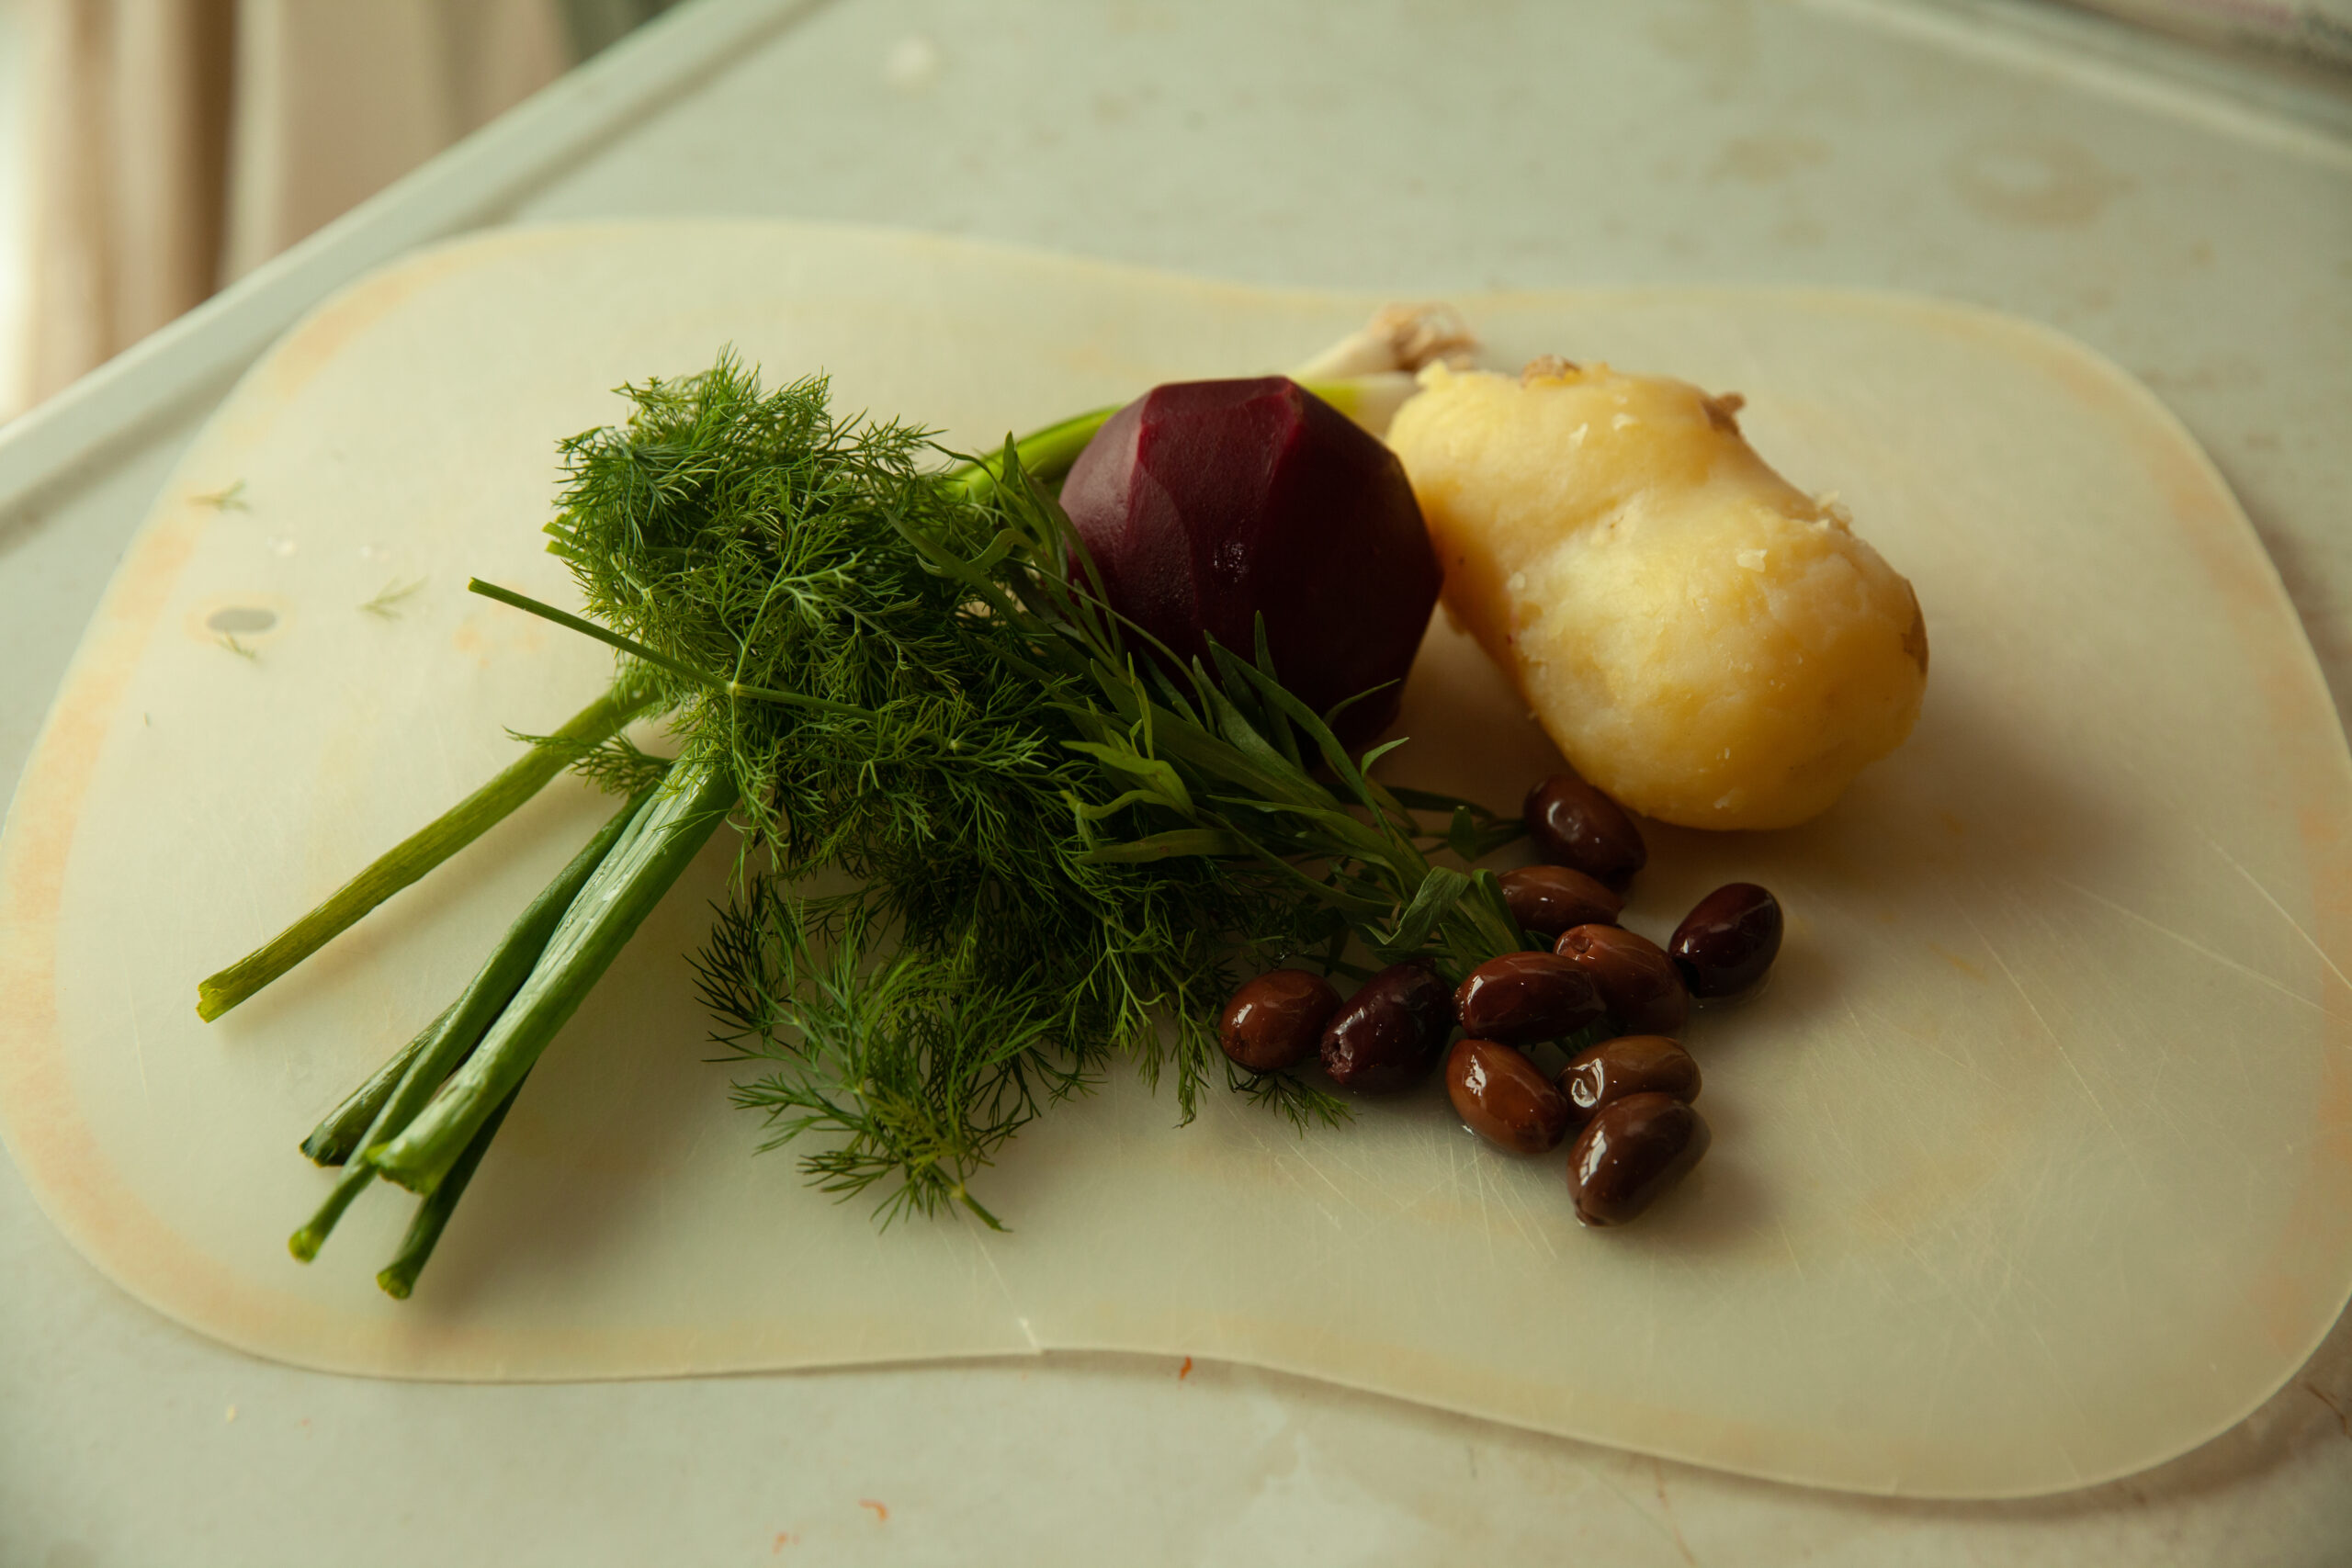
x=325 y=1149
x=212 y=998
x=397 y=1281
x=421 y=1182
x=304 y=1243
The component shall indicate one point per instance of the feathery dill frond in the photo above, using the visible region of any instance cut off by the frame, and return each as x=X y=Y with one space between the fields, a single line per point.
x=1062 y=847
x=953 y=775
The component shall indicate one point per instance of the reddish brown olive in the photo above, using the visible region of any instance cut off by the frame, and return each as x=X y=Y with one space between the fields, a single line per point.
x=1502 y=1097
x=1548 y=900
x=1521 y=998
x=1631 y=1063
x=1575 y=825
x=1728 y=939
x=1276 y=1021
x=1391 y=1033
x=1637 y=982
x=1630 y=1153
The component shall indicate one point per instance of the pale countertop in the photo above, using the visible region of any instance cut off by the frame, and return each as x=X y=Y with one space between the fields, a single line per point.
x=2193 y=220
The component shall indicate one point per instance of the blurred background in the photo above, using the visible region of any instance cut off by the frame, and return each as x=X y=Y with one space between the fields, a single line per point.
x=153 y=152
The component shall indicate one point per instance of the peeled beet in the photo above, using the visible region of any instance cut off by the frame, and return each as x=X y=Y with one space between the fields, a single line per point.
x=1204 y=503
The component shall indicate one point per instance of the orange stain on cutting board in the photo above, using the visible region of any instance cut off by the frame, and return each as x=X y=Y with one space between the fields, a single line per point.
x=1973 y=971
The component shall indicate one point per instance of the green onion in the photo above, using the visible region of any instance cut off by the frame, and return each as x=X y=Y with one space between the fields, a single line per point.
x=398 y=1278
x=344 y=1129
x=419 y=852
x=653 y=852
x=432 y=1055
x=1046 y=454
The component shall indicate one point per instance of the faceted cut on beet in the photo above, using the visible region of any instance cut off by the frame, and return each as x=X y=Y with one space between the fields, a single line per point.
x=1206 y=502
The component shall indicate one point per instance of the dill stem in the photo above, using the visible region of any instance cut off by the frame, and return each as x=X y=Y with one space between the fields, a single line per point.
x=652 y=853
x=398 y=1278
x=449 y=1039
x=638 y=650
x=417 y=854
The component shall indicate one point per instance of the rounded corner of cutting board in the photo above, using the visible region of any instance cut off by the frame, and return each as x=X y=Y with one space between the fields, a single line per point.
x=267 y=1316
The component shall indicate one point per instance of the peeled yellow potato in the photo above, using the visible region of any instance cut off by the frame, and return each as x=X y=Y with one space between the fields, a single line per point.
x=1702 y=640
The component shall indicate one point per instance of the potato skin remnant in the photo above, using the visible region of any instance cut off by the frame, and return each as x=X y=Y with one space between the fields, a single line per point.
x=1703 y=640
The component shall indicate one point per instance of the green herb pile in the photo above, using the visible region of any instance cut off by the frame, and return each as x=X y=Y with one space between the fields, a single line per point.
x=987 y=843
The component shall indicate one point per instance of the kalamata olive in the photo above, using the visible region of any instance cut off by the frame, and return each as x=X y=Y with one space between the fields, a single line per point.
x=1502 y=1097
x=1391 y=1033
x=1548 y=900
x=1631 y=1063
x=1637 y=982
x=1276 y=1021
x=1521 y=998
x=1575 y=825
x=1726 y=942
x=1630 y=1152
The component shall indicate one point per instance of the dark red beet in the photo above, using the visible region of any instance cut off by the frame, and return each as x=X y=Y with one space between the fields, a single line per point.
x=1206 y=502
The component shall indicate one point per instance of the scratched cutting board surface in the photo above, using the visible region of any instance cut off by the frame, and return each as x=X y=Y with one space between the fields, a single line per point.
x=2032 y=1165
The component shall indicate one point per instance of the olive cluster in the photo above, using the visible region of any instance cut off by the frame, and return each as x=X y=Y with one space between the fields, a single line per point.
x=1627 y=1096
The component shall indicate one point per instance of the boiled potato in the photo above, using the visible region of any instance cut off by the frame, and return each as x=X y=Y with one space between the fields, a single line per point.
x=1702 y=640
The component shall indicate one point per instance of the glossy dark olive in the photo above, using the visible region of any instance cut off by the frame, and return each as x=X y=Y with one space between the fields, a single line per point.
x=1630 y=1153
x=1575 y=825
x=1504 y=1097
x=1391 y=1033
x=1637 y=982
x=1521 y=998
x=1631 y=1063
x=1548 y=900
x=1276 y=1021
x=1726 y=942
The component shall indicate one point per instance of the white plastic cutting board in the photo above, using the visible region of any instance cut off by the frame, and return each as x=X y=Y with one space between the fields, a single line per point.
x=2033 y=1166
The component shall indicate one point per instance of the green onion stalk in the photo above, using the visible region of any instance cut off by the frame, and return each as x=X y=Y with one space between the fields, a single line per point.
x=1062 y=846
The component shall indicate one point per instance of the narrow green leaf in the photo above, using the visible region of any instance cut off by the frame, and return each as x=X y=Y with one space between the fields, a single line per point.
x=1279 y=730
x=1439 y=892
x=1429 y=800
x=1489 y=888
x=1163 y=846
x=1462 y=834
x=1164 y=782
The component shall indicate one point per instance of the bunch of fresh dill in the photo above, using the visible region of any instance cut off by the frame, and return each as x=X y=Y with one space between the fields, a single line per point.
x=983 y=962
x=989 y=843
